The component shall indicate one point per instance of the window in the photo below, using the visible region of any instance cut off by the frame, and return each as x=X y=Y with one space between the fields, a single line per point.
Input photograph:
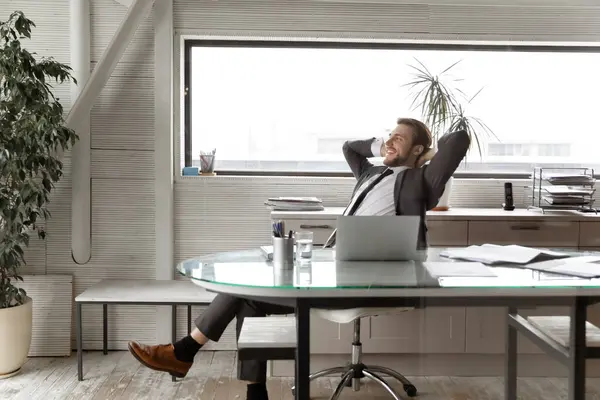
x=288 y=107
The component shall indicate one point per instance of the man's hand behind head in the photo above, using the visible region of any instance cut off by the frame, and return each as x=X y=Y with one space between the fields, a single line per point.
x=425 y=158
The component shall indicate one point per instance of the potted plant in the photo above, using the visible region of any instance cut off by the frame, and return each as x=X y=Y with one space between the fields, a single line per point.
x=443 y=109
x=32 y=135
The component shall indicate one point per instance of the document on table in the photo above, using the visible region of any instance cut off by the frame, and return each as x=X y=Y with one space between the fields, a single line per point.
x=495 y=254
x=582 y=267
x=458 y=269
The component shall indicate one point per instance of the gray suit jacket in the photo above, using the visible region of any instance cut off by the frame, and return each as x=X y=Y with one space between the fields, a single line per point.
x=416 y=190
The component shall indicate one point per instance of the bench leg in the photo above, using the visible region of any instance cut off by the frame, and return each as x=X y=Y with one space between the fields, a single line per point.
x=174 y=330
x=79 y=335
x=105 y=328
x=189 y=312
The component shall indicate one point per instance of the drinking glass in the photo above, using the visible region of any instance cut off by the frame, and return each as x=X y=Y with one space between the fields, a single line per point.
x=304 y=245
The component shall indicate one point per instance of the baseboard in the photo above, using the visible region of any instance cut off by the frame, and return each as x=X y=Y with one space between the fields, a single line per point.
x=529 y=365
x=52 y=297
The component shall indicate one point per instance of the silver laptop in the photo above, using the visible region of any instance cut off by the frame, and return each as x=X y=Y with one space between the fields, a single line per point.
x=378 y=238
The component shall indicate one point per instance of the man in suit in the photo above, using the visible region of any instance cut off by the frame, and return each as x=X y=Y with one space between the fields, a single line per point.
x=393 y=189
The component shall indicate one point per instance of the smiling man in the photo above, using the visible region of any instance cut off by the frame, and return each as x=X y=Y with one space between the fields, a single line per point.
x=403 y=185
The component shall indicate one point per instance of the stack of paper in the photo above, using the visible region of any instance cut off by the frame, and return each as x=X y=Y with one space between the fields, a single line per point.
x=568 y=195
x=458 y=269
x=294 y=204
x=582 y=267
x=570 y=179
x=494 y=254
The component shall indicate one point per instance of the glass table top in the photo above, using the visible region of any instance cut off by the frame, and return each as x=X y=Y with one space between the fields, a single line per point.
x=250 y=269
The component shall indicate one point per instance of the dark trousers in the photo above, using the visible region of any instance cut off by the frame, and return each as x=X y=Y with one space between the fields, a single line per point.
x=213 y=322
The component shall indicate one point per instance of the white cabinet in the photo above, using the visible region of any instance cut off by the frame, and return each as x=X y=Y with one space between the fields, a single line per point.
x=447 y=233
x=486 y=329
x=527 y=233
x=429 y=330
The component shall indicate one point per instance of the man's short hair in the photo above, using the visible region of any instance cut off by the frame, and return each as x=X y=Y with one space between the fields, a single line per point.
x=421 y=133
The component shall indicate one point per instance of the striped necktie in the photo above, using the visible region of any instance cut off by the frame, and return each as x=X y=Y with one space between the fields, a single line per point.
x=351 y=209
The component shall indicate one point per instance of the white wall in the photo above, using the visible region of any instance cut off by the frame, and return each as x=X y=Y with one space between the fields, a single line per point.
x=227 y=212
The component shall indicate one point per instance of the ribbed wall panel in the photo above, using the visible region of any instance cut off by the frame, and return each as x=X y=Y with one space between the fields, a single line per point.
x=122 y=164
x=518 y=20
x=52 y=299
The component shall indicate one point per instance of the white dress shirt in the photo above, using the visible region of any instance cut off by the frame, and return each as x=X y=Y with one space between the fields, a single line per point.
x=380 y=200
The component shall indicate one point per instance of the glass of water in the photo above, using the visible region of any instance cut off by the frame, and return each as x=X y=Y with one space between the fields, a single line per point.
x=304 y=245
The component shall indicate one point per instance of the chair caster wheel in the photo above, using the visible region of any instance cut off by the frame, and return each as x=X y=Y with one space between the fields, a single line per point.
x=410 y=390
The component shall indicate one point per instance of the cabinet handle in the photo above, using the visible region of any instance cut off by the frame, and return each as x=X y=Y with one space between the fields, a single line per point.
x=303 y=226
x=525 y=227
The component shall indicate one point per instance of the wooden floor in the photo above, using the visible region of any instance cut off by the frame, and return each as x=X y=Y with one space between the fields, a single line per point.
x=119 y=376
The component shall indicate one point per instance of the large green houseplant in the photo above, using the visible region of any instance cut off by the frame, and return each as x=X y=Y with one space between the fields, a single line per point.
x=32 y=135
x=443 y=107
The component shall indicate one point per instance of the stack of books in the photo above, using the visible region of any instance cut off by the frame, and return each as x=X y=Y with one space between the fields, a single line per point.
x=294 y=204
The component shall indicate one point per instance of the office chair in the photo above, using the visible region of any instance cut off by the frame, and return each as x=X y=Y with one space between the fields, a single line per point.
x=355 y=371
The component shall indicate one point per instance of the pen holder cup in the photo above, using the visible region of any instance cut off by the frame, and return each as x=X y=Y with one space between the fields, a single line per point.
x=283 y=251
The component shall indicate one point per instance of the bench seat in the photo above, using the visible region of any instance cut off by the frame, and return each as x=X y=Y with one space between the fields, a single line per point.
x=268 y=338
x=557 y=328
x=137 y=292
x=145 y=291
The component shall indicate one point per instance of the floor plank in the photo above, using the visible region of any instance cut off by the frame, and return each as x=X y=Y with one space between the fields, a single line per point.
x=118 y=376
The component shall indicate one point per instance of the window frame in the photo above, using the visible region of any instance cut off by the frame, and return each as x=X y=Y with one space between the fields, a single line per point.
x=190 y=42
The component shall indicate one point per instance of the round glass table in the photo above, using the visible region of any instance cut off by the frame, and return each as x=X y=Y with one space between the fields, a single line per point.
x=324 y=282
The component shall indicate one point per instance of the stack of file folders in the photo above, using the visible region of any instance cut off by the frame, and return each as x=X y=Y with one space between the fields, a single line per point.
x=294 y=204
x=567 y=195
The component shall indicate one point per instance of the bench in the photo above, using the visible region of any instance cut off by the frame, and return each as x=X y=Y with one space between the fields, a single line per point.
x=557 y=328
x=137 y=292
x=268 y=338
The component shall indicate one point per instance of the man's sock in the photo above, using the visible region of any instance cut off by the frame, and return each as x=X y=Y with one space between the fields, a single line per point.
x=257 y=391
x=186 y=349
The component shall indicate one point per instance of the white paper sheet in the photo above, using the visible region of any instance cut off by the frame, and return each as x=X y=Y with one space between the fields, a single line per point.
x=458 y=269
x=495 y=254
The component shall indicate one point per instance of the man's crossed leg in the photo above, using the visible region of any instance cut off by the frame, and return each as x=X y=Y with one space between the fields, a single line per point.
x=177 y=358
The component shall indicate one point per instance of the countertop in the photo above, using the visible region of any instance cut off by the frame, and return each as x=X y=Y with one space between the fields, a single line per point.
x=458 y=214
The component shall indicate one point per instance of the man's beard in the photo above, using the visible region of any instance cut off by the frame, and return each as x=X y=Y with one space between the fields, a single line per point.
x=396 y=161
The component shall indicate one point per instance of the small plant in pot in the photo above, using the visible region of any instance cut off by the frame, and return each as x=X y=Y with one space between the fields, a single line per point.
x=32 y=136
x=443 y=109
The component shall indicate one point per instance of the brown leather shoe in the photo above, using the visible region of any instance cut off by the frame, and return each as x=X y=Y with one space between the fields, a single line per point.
x=160 y=358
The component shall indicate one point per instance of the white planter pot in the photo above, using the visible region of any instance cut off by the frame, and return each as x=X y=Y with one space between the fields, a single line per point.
x=444 y=202
x=15 y=337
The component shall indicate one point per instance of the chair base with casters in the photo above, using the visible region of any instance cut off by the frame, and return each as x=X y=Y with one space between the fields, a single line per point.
x=355 y=371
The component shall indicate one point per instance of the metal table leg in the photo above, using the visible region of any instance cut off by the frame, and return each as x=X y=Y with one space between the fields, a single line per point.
x=105 y=328
x=302 y=383
x=174 y=330
x=510 y=358
x=577 y=349
x=79 y=334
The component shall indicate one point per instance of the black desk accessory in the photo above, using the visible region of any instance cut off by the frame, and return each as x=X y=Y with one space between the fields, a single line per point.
x=509 y=203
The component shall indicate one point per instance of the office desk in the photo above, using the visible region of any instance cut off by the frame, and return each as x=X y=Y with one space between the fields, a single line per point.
x=325 y=283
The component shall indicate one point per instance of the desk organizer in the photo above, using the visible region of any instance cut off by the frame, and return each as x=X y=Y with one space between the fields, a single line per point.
x=563 y=189
x=283 y=250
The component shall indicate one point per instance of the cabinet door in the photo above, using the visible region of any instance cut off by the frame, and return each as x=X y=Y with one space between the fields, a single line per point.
x=589 y=235
x=447 y=233
x=525 y=233
x=429 y=330
x=328 y=337
x=486 y=329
